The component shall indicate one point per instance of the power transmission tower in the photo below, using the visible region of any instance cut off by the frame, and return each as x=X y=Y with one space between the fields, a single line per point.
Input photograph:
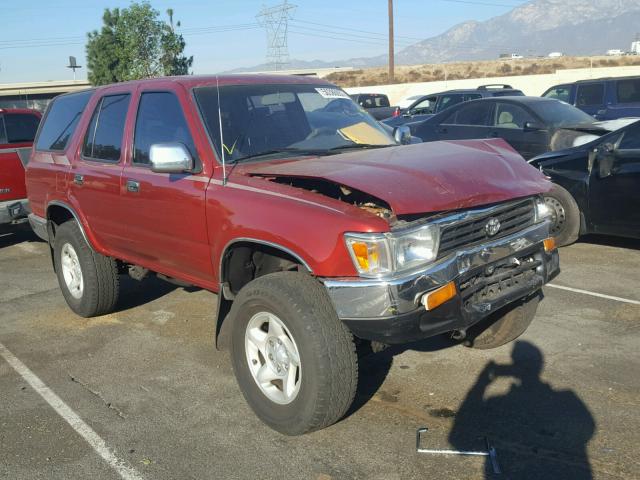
x=275 y=20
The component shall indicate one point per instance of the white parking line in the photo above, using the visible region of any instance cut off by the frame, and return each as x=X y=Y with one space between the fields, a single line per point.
x=594 y=294
x=71 y=417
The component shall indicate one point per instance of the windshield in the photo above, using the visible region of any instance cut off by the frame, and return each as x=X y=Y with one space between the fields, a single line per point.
x=259 y=120
x=560 y=114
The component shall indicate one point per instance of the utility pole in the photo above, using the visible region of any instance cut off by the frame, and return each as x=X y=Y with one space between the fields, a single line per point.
x=275 y=20
x=391 y=54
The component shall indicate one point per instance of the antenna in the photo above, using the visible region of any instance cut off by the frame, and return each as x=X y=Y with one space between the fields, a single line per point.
x=275 y=20
x=222 y=147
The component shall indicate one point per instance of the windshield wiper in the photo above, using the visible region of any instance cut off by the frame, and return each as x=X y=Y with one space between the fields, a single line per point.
x=357 y=145
x=267 y=153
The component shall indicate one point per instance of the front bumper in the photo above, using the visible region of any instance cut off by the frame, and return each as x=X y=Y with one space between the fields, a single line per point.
x=487 y=277
x=13 y=210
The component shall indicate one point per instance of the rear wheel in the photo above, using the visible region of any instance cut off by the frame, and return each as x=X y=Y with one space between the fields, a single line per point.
x=565 y=215
x=89 y=281
x=294 y=360
x=503 y=326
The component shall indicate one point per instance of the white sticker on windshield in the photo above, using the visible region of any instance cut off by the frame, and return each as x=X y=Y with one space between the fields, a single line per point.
x=331 y=92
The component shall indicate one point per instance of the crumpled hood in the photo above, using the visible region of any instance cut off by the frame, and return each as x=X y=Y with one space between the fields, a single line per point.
x=426 y=177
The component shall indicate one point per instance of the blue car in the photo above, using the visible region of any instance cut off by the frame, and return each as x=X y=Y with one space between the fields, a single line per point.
x=602 y=98
x=428 y=105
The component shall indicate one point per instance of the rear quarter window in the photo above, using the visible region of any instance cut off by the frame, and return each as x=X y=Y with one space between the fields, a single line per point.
x=61 y=121
x=628 y=91
x=590 y=94
x=20 y=127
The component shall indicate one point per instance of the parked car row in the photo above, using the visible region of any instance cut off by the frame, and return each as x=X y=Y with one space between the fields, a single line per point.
x=550 y=127
x=425 y=106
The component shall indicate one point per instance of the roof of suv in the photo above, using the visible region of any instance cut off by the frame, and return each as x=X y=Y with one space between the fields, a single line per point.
x=603 y=79
x=489 y=90
x=190 y=81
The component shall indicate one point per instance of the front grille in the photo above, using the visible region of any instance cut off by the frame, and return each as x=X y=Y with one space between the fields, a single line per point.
x=495 y=281
x=512 y=217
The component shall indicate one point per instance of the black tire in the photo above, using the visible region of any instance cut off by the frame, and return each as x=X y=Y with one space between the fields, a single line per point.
x=328 y=360
x=565 y=226
x=99 y=274
x=505 y=325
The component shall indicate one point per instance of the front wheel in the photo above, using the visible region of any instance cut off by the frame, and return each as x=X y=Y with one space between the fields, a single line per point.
x=294 y=360
x=505 y=325
x=565 y=215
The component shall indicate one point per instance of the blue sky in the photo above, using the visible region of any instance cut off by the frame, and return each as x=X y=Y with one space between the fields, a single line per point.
x=37 y=37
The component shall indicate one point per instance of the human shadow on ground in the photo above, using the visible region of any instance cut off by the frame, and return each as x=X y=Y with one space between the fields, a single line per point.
x=538 y=432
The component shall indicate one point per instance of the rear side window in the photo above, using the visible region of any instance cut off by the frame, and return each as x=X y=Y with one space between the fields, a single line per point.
x=561 y=92
x=61 y=121
x=590 y=94
x=160 y=120
x=103 y=140
x=20 y=127
x=628 y=91
x=474 y=114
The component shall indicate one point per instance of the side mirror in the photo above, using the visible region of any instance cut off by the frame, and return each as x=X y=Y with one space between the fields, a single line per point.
x=533 y=126
x=170 y=158
x=606 y=159
x=402 y=135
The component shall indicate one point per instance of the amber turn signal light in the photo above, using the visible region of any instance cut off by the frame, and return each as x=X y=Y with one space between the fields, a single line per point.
x=549 y=244
x=437 y=297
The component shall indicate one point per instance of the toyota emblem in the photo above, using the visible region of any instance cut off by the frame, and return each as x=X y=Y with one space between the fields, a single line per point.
x=492 y=227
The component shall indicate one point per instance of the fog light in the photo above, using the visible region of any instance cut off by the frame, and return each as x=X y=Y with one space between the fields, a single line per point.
x=549 y=244
x=436 y=298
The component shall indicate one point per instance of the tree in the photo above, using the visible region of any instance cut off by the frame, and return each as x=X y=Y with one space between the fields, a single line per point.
x=134 y=43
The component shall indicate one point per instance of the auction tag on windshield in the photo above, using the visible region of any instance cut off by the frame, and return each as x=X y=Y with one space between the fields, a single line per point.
x=331 y=92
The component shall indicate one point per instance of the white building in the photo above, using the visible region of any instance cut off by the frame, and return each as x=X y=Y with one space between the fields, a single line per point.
x=635 y=47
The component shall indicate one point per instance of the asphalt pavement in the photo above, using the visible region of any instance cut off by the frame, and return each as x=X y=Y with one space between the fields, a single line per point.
x=143 y=393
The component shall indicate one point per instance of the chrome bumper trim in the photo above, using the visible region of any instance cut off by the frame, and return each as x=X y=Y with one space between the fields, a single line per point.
x=372 y=298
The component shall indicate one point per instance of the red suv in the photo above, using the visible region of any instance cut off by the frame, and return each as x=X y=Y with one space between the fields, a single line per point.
x=17 y=131
x=315 y=228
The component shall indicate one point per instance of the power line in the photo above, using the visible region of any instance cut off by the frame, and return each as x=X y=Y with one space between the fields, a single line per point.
x=335 y=27
x=486 y=4
x=349 y=36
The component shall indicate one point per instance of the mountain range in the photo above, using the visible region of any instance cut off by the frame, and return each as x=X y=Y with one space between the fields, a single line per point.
x=538 y=27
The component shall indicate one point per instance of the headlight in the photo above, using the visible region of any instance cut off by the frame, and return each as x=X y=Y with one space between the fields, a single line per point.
x=542 y=210
x=370 y=253
x=378 y=254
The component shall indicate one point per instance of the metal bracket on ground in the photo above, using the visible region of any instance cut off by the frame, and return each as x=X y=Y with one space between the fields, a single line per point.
x=490 y=452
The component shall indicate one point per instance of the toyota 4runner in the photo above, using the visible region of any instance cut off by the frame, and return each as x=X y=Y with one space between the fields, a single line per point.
x=317 y=231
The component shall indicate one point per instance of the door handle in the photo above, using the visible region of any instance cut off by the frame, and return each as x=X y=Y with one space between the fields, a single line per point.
x=133 y=186
x=78 y=179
